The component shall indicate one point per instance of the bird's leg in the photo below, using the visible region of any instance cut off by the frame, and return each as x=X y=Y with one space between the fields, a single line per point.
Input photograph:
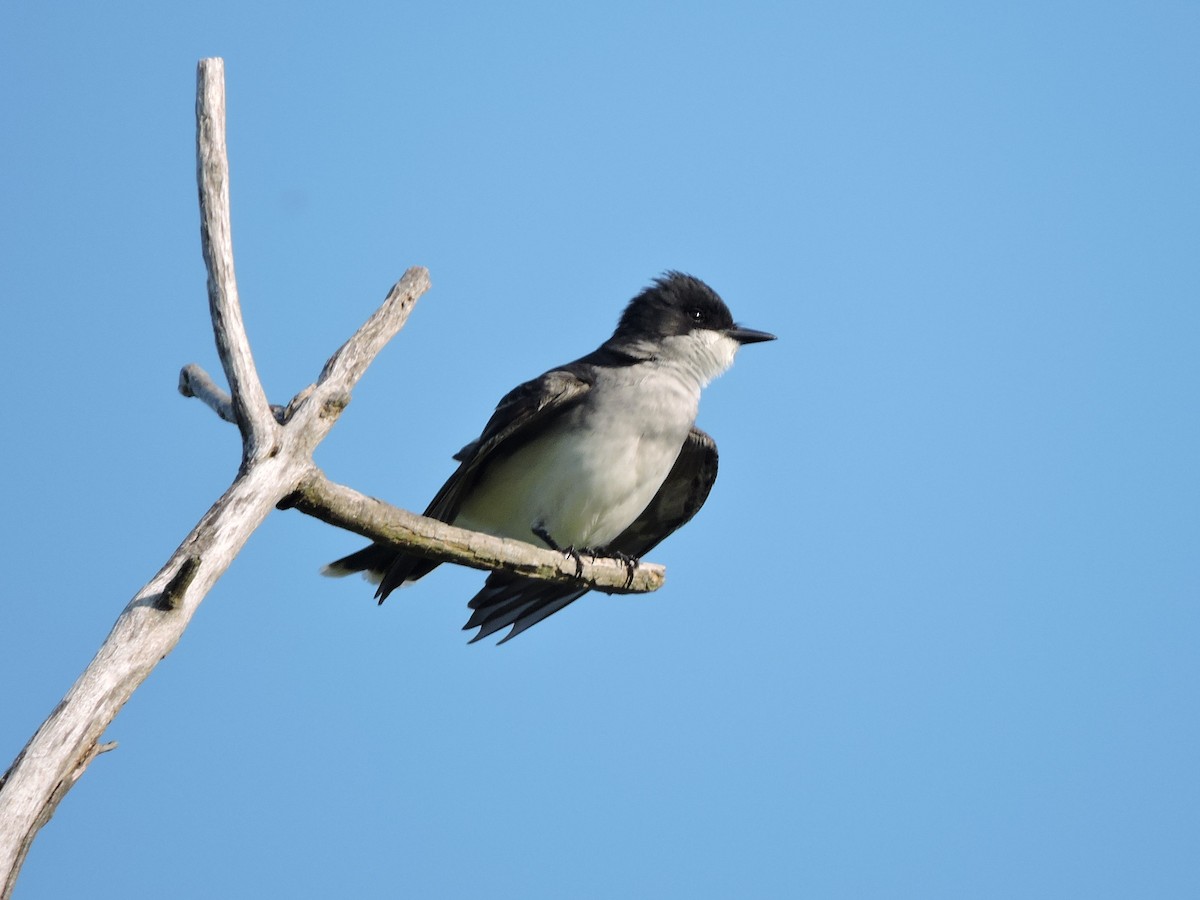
x=630 y=562
x=539 y=531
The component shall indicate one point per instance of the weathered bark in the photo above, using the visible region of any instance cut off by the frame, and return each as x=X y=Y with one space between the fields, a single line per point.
x=277 y=470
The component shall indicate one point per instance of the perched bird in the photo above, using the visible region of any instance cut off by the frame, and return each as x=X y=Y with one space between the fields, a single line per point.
x=598 y=456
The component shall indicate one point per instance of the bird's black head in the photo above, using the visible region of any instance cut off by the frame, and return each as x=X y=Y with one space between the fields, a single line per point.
x=675 y=304
x=681 y=323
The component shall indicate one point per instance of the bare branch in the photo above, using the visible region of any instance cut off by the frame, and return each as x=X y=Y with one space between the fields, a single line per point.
x=346 y=508
x=329 y=395
x=251 y=410
x=145 y=632
x=151 y=624
x=195 y=382
x=318 y=406
x=351 y=359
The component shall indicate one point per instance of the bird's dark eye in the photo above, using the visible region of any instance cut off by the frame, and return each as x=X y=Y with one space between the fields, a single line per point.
x=697 y=315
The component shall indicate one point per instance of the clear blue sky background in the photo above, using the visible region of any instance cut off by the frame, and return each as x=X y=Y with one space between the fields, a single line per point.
x=935 y=633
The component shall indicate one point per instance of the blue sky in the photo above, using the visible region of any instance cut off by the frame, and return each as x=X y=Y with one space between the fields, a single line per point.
x=935 y=632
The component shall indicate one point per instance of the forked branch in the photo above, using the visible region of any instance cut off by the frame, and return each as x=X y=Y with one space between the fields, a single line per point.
x=277 y=470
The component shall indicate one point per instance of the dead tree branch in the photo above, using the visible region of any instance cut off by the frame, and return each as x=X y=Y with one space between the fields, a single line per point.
x=346 y=508
x=277 y=470
x=250 y=408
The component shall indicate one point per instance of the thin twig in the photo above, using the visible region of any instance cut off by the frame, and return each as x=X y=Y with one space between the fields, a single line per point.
x=195 y=382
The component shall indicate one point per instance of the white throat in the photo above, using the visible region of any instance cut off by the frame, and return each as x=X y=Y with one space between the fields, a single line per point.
x=700 y=355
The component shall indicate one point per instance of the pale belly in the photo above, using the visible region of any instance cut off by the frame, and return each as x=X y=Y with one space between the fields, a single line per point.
x=586 y=481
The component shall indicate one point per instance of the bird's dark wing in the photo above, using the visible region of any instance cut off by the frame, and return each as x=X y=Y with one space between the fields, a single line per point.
x=508 y=599
x=679 y=498
x=519 y=416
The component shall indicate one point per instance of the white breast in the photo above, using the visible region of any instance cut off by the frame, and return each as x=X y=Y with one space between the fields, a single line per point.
x=590 y=476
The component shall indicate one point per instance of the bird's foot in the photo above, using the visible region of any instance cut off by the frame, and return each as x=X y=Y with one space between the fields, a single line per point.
x=541 y=533
x=631 y=564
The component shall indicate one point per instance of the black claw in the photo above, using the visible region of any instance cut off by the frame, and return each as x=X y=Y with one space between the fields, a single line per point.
x=575 y=555
x=631 y=564
x=540 y=532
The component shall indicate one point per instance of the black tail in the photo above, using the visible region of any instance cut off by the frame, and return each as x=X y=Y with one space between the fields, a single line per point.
x=386 y=567
x=508 y=599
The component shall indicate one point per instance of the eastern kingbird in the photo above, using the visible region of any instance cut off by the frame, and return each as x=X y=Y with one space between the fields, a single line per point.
x=598 y=456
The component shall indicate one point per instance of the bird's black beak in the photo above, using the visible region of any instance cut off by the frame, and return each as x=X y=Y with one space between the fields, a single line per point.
x=748 y=335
